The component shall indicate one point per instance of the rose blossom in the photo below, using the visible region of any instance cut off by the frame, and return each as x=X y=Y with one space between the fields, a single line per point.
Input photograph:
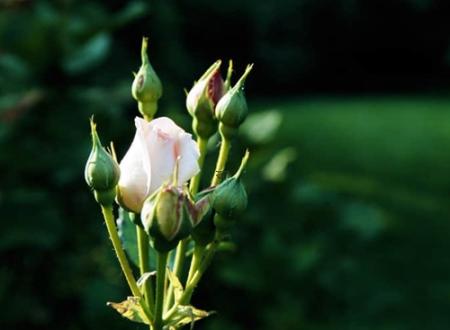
x=151 y=158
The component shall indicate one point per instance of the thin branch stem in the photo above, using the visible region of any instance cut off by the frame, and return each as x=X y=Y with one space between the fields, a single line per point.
x=221 y=161
x=161 y=263
x=195 y=181
x=144 y=266
x=108 y=215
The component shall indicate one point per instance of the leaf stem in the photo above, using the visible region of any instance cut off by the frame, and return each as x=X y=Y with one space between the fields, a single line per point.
x=161 y=263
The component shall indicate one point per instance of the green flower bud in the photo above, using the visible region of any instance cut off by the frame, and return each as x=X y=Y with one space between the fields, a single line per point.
x=230 y=198
x=102 y=171
x=165 y=217
x=202 y=215
x=232 y=109
x=202 y=99
x=146 y=88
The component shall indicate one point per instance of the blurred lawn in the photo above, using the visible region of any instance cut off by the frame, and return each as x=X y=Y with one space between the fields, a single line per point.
x=393 y=146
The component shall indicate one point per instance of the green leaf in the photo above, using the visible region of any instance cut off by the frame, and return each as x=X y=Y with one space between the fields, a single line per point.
x=186 y=314
x=130 y=309
x=127 y=234
x=177 y=286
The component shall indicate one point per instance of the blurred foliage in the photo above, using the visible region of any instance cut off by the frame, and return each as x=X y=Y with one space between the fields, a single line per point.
x=348 y=221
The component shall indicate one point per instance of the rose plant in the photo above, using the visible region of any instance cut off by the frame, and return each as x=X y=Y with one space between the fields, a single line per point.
x=156 y=187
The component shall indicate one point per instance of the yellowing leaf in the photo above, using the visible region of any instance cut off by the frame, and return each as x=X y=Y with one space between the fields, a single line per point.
x=186 y=314
x=177 y=286
x=131 y=309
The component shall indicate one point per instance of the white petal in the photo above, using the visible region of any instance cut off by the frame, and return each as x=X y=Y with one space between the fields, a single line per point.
x=194 y=94
x=135 y=181
x=189 y=155
x=161 y=148
x=168 y=142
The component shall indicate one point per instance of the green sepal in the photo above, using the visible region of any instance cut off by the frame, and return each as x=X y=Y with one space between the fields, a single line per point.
x=204 y=129
x=165 y=217
x=202 y=215
x=161 y=243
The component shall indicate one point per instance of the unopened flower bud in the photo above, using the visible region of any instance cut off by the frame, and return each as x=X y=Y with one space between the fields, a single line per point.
x=230 y=198
x=146 y=88
x=232 y=109
x=165 y=217
x=202 y=100
x=102 y=171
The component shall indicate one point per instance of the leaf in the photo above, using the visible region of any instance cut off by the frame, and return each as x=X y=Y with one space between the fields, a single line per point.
x=177 y=286
x=127 y=234
x=130 y=309
x=186 y=314
x=144 y=278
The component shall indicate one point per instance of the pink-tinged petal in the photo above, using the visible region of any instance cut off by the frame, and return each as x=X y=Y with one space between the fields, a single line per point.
x=160 y=147
x=168 y=142
x=134 y=184
x=195 y=94
x=189 y=154
x=215 y=87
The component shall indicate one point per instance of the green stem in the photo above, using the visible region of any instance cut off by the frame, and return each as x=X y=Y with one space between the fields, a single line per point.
x=108 y=215
x=197 y=275
x=112 y=230
x=196 y=259
x=195 y=181
x=181 y=248
x=160 y=282
x=144 y=266
x=192 y=284
x=177 y=268
x=221 y=161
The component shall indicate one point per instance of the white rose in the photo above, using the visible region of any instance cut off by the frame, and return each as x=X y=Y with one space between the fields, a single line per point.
x=151 y=158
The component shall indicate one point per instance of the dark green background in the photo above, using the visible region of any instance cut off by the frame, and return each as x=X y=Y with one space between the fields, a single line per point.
x=348 y=221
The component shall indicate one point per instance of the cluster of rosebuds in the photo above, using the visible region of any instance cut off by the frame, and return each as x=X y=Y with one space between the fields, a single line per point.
x=150 y=185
